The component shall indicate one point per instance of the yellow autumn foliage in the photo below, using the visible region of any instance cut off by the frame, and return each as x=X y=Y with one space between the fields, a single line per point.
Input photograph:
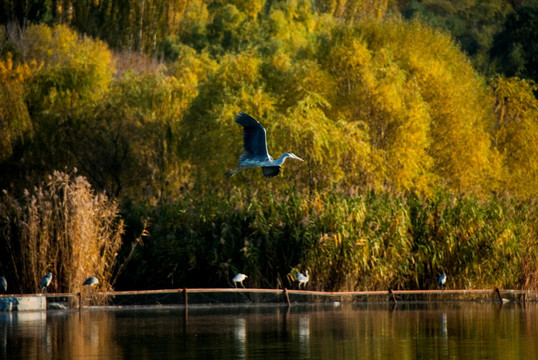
x=76 y=70
x=15 y=120
x=516 y=134
x=375 y=103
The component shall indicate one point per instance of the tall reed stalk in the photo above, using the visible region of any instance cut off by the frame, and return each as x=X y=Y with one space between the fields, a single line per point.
x=63 y=227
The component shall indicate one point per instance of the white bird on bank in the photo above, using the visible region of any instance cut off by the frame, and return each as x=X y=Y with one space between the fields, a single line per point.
x=239 y=279
x=45 y=282
x=302 y=278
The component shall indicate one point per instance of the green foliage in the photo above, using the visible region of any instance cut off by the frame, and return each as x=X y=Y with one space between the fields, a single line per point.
x=473 y=24
x=372 y=241
x=515 y=47
x=134 y=25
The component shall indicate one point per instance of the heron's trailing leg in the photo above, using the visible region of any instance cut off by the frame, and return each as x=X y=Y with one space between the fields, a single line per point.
x=233 y=172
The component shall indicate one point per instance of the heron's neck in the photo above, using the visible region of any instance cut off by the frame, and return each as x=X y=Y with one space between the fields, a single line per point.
x=281 y=159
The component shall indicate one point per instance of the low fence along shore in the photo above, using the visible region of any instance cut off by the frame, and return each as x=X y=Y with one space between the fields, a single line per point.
x=222 y=296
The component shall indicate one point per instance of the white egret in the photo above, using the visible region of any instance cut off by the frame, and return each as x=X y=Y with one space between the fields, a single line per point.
x=239 y=279
x=302 y=278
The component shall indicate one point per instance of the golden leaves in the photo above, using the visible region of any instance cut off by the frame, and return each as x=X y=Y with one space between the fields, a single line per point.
x=515 y=134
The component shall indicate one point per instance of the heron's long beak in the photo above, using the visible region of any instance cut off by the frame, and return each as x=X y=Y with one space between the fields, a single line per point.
x=297 y=158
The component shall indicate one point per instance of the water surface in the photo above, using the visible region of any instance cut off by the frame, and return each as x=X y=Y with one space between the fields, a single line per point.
x=465 y=330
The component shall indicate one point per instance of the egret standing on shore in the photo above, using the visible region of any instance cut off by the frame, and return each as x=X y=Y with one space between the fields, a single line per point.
x=442 y=281
x=255 y=146
x=239 y=279
x=45 y=282
x=302 y=278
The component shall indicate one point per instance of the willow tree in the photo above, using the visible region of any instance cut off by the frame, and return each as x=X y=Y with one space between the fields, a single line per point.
x=352 y=9
x=76 y=70
x=134 y=25
x=375 y=91
x=208 y=131
x=377 y=103
x=73 y=75
x=334 y=150
x=137 y=129
x=413 y=81
x=15 y=121
x=516 y=134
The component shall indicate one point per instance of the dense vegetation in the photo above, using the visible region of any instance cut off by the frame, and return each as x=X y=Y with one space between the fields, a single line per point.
x=418 y=131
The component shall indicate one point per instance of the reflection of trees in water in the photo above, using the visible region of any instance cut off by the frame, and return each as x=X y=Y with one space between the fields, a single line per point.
x=84 y=334
x=427 y=331
x=23 y=334
x=5 y=320
x=54 y=335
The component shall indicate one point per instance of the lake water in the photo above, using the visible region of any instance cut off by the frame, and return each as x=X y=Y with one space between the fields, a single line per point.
x=461 y=330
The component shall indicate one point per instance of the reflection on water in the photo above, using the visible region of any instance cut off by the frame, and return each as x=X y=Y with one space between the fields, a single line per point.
x=53 y=334
x=240 y=337
x=427 y=331
x=303 y=332
x=443 y=326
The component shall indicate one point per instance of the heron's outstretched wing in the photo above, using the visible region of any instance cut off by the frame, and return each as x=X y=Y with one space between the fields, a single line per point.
x=254 y=141
x=270 y=171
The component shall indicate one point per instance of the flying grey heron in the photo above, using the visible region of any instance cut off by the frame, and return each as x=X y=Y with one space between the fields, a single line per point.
x=3 y=284
x=45 y=282
x=442 y=281
x=302 y=278
x=239 y=279
x=255 y=146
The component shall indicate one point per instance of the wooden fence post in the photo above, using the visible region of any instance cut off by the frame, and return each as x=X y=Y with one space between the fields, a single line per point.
x=287 y=296
x=391 y=296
